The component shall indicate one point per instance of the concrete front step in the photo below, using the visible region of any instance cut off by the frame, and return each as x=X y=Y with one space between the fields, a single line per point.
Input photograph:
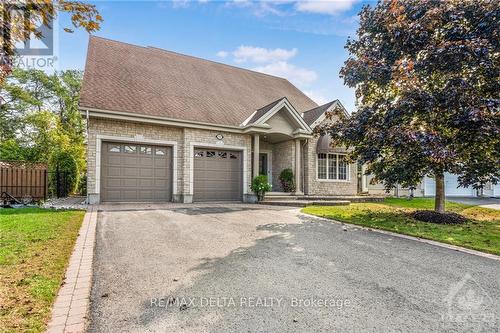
x=280 y=197
x=305 y=203
x=353 y=198
x=279 y=194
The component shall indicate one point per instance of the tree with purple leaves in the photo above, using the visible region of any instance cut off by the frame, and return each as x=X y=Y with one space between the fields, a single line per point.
x=426 y=75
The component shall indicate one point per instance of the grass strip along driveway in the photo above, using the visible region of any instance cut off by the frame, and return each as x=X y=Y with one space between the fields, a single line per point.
x=481 y=232
x=35 y=246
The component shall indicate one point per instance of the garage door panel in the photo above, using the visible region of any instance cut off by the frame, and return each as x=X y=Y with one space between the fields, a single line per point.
x=160 y=183
x=129 y=194
x=113 y=171
x=217 y=175
x=114 y=159
x=131 y=172
x=161 y=173
x=129 y=182
x=131 y=161
x=113 y=182
x=158 y=194
x=146 y=194
x=146 y=162
x=146 y=172
x=161 y=163
x=147 y=183
x=114 y=193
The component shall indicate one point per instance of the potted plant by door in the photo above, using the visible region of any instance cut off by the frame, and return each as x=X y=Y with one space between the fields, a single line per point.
x=287 y=181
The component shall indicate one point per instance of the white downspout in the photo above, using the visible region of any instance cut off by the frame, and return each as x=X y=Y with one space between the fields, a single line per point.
x=304 y=166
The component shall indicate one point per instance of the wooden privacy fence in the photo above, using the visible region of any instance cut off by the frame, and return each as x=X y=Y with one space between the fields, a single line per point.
x=24 y=181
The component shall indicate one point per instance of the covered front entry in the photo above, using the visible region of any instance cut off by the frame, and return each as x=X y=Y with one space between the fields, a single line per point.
x=136 y=172
x=218 y=175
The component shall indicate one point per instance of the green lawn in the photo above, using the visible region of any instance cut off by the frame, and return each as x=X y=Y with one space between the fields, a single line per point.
x=481 y=232
x=35 y=246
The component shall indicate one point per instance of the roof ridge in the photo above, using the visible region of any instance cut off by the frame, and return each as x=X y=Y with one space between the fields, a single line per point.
x=117 y=41
x=217 y=62
x=322 y=105
x=273 y=102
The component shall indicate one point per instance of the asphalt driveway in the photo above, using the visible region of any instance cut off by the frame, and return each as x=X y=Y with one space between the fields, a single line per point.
x=248 y=268
x=493 y=203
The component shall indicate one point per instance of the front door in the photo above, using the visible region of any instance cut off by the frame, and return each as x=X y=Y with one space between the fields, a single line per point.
x=265 y=166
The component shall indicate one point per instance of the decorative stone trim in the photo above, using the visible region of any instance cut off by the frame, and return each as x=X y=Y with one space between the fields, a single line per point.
x=70 y=309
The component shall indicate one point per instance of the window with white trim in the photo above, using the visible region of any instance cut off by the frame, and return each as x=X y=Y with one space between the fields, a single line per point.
x=332 y=167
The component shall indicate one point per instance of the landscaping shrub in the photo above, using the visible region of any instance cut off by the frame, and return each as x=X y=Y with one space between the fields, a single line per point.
x=286 y=179
x=260 y=186
x=438 y=218
x=62 y=162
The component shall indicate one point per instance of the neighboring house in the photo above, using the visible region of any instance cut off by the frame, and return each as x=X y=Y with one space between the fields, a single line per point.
x=427 y=188
x=169 y=127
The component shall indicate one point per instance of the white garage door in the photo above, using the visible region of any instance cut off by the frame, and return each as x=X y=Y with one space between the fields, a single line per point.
x=450 y=187
x=496 y=190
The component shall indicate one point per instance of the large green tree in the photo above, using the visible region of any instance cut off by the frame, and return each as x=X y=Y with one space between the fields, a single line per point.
x=426 y=74
x=40 y=116
x=15 y=27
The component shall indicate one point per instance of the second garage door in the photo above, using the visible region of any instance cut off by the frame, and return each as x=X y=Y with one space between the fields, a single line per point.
x=135 y=172
x=451 y=187
x=218 y=175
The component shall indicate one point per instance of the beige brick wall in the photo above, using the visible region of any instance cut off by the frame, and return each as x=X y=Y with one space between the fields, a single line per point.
x=124 y=129
x=183 y=136
x=313 y=186
x=283 y=158
x=283 y=155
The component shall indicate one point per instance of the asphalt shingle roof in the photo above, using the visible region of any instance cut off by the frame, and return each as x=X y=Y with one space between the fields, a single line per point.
x=312 y=115
x=156 y=82
x=263 y=110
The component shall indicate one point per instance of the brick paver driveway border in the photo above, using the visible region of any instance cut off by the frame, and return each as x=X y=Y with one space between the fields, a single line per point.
x=70 y=309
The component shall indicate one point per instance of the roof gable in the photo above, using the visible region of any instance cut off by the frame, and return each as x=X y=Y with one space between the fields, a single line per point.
x=267 y=112
x=153 y=82
x=317 y=115
x=261 y=112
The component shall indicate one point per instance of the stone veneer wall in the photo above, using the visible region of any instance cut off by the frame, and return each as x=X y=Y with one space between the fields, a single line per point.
x=283 y=158
x=183 y=136
x=318 y=187
x=125 y=129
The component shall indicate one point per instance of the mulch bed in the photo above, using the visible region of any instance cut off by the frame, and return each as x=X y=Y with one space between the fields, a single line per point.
x=438 y=218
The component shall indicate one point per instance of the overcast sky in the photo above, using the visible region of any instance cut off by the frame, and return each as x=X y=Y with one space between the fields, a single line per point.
x=302 y=41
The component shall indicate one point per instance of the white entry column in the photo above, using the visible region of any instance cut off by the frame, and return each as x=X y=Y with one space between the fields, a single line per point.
x=298 y=155
x=256 y=144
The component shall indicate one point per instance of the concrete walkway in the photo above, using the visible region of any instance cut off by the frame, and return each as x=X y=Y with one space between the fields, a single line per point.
x=254 y=268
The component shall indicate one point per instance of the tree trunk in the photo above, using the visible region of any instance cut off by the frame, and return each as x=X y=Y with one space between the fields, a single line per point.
x=439 y=201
